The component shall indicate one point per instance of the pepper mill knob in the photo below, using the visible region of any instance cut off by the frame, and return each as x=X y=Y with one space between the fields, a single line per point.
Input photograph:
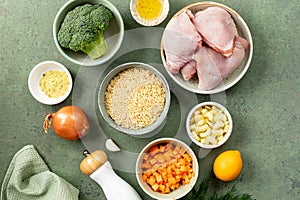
x=92 y=161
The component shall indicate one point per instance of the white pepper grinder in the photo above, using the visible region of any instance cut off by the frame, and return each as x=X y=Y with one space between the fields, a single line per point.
x=100 y=170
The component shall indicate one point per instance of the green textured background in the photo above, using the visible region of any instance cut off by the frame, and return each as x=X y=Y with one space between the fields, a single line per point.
x=264 y=104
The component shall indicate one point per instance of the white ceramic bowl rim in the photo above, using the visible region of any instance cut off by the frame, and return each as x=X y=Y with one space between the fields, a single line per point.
x=176 y=194
x=35 y=76
x=196 y=107
x=101 y=100
x=237 y=75
x=100 y=60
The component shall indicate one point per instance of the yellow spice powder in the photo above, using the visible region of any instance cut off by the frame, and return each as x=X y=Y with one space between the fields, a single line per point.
x=149 y=9
x=54 y=83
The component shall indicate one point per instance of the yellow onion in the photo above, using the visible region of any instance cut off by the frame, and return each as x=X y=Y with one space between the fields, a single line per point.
x=69 y=122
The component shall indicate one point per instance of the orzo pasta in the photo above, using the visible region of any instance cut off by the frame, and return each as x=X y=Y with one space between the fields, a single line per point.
x=135 y=98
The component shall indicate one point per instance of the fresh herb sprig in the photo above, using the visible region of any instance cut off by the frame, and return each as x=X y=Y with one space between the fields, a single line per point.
x=201 y=194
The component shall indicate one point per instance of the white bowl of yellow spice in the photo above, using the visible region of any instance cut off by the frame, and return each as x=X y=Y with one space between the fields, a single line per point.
x=50 y=82
x=149 y=12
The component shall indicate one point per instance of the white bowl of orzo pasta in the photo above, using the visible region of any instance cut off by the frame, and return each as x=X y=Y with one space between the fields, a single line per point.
x=134 y=98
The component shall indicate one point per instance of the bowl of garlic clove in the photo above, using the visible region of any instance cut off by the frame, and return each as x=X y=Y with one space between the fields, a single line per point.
x=209 y=125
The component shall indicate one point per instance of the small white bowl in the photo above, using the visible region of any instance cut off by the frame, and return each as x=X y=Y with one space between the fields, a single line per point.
x=183 y=189
x=34 y=82
x=227 y=134
x=153 y=22
x=114 y=34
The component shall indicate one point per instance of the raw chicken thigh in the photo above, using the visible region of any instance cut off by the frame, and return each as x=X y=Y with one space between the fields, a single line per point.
x=208 y=72
x=221 y=52
x=217 y=28
x=213 y=67
x=180 y=41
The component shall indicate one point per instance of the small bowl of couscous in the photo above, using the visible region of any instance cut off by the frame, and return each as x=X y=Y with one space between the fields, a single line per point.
x=209 y=125
x=50 y=82
x=134 y=98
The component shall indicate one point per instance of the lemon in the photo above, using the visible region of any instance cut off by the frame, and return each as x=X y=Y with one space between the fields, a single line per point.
x=228 y=165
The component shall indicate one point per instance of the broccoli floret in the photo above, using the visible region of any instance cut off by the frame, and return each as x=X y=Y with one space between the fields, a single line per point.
x=82 y=29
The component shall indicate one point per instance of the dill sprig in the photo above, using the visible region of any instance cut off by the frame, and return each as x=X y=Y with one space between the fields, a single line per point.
x=200 y=194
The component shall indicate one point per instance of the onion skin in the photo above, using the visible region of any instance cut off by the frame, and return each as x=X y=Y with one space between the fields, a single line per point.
x=69 y=122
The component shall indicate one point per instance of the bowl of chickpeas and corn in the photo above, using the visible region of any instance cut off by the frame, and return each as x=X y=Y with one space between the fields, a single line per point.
x=209 y=125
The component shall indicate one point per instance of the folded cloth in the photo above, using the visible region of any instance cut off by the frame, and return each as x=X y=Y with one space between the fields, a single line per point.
x=28 y=177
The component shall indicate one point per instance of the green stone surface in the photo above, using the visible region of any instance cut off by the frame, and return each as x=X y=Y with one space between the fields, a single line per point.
x=265 y=103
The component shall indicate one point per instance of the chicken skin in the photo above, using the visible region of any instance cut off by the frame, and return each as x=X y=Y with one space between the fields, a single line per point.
x=217 y=29
x=213 y=67
x=180 y=41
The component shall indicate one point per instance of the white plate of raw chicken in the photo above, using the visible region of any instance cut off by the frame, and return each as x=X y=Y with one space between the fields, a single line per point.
x=206 y=47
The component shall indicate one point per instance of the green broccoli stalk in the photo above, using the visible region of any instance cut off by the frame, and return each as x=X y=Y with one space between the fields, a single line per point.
x=83 y=28
x=96 y=48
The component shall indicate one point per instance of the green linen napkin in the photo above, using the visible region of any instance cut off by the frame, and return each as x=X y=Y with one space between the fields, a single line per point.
x=28 y=177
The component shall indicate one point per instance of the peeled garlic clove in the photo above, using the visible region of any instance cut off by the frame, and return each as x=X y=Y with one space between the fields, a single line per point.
x=206 y=133
x=200 y=122
x=217 y=132
x=218 y=125
x=209 y=123
x=214 y=110
x=219 y=138
x=210 y=116
x=203 y=141
x=211 y=139
x=204 y=111
x=111 y=145
x=193 y=127
x=197 y=118
x=202 y=128
x=196 y=136
x=220 y=116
